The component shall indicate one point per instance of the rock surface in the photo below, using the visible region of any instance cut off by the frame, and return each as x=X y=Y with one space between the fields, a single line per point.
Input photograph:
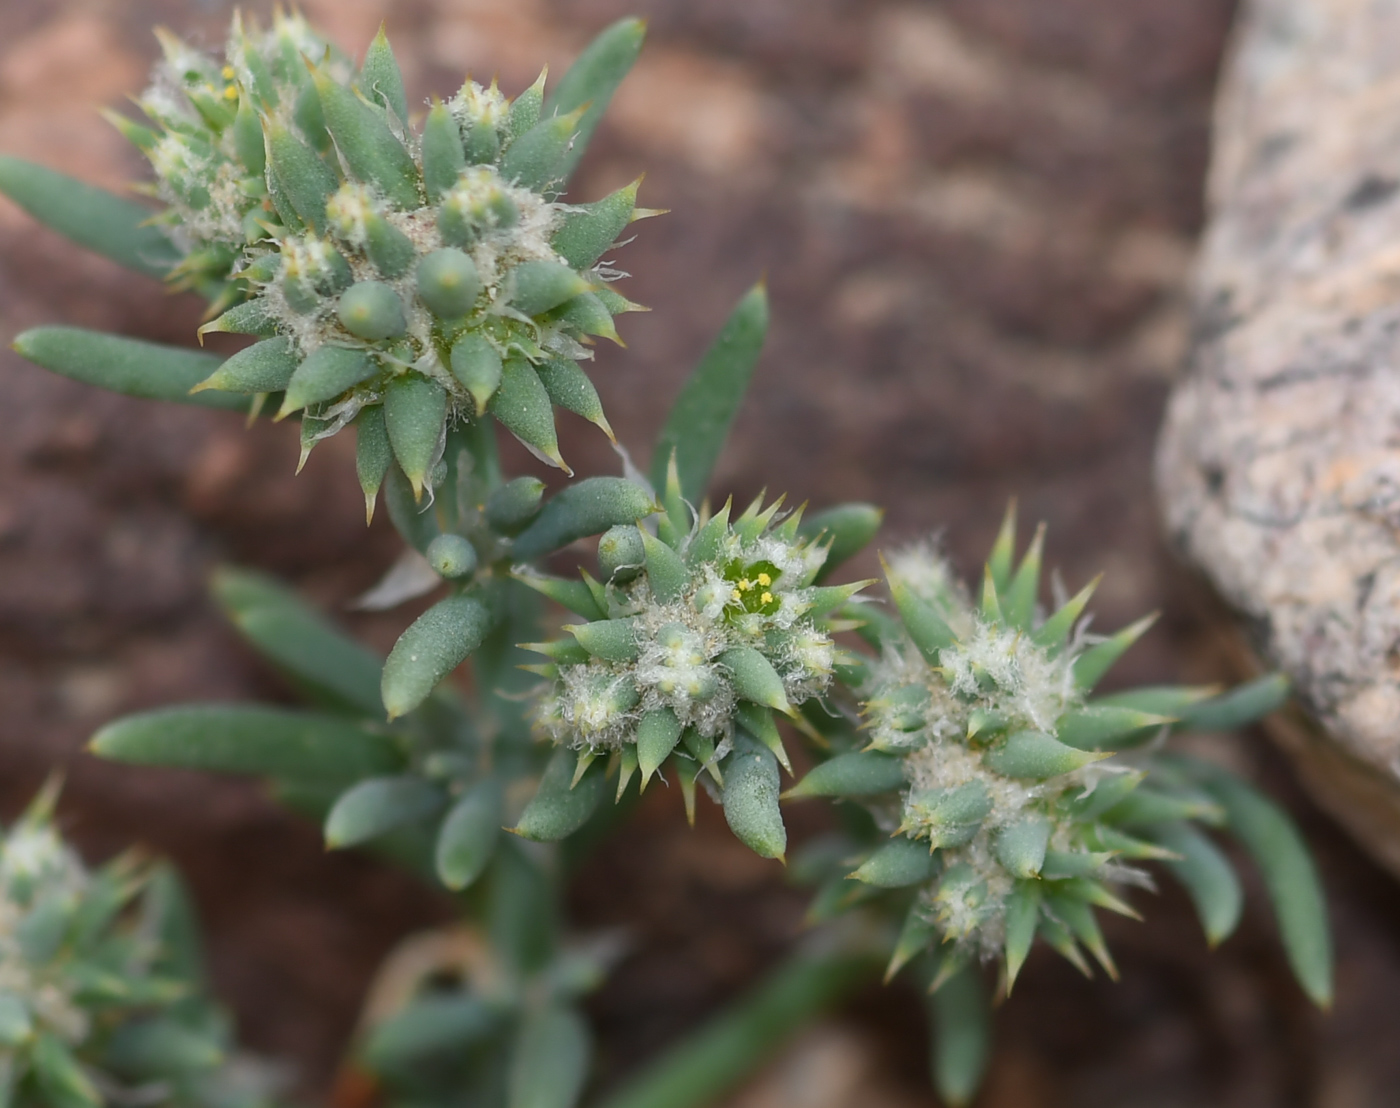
x=1280 y=460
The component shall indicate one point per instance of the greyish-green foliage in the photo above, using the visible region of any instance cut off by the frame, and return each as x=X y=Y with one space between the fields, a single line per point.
x=100 y=984
x=412 y=271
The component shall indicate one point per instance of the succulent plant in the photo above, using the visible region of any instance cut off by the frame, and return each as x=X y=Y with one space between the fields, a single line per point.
x=1010 y=803
x=99 y=984
x=412 y=279
x=694 y=636
x=406 y=279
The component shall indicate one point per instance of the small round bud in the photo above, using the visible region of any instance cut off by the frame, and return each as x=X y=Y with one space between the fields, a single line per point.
x=621 y=554
x=452 y=556
x=371 y=310
x=448 y=283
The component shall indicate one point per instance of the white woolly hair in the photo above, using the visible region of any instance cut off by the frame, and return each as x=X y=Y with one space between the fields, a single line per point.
x=679 y=644
x=1029 y=683
x=34 y=859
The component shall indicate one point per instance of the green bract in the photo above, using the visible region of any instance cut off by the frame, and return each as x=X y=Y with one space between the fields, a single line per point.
x=98 y=985
x=429 y=268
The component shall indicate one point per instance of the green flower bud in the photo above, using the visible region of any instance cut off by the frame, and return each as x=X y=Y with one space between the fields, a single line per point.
x=452 y=556
x=371 y=310
x=621 y=555
x=448 y=283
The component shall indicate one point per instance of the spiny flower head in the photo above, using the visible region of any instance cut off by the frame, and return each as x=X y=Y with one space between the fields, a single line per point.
x=405 y=278
x=697 y=632
x=991 y=769
x=88 y=991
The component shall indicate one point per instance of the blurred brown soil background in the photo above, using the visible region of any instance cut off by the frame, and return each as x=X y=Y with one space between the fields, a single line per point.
x=975 y=216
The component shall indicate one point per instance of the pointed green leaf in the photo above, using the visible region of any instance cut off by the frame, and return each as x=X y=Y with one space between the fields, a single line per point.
x=591 y=81
x=415 y=410
x=435 y=644
x=587 y=507
x=915 y=935
x=93 y=218
x=962 y=1034
x=510 y=508
x=537 y=286
x=526 y=109
x=613 y=640
x=1055 y=631
x=861 y=773
x=322 y=659
x=265 y=366
x=1022 y=914
x=1147 y=806
x=931 y=634
x=297 y=175
x=373 y=454
x=847 y=527
x=1004 y=549
x=754 y=677
x=522 y=406
x=1018 y=600
x=668 y=575
x=751 y=799
x=326 y=373
x=569 y=388
x=897 y=864
x=1289 y=875
x=372 y=151
x=148 y=370
x=1090 y=666
x=574 y=595
x=657 y=735
x=1020 y=846
x=586 y=231
x=537 y=159
x=560 y=807
x=467 y=838
x=759 y=724
x=381 y=79
x=1237 y=707
x=244 y=738
x=1106 y=727
x=378 y=805
x=701 y=417
x=549 y=1063
x=1206 y=874
x=1162 y=700
x=443 y=158
x=477 y=367
x=1036 y=756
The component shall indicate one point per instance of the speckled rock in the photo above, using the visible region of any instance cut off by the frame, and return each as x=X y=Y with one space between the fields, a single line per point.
x=1279 y=465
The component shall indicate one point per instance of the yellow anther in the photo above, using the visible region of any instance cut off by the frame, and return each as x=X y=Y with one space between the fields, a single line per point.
x=745 y=584
x=766 y=598
x=736 y=595
x=228 y=73
x=231 y=93
x=764 y=580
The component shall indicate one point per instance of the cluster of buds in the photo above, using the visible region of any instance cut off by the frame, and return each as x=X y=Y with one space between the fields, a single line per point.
x=401 y=277
x=701 y=631
x=1012 y=800
x=95 y=1005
